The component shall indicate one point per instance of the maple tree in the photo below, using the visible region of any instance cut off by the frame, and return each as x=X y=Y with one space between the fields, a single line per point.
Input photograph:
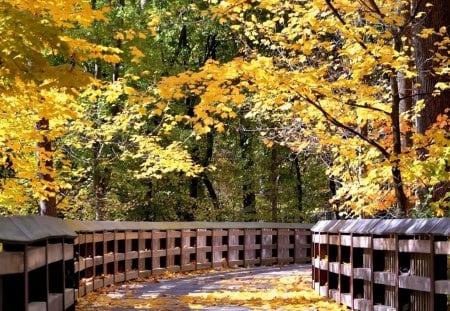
x=37 y=98
x=224 y=109
x=332 y=70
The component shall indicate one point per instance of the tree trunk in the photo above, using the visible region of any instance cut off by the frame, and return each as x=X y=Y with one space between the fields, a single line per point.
x=212 y=193
x=248 y=191
x=205 y=163
x=44 y=157
x=298 y=183
x=273 y=182
x=436 y=16
x=116 y=72
x=402 y=201
x=101 y=178
x=405 y=84
x=199 y=155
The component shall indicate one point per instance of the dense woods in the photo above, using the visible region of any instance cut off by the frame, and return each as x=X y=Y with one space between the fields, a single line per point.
x=224 y=110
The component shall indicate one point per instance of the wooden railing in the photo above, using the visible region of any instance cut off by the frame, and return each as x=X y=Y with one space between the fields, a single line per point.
x=385 y=265
x=46 y=264
x=111 y=252
x=36 y=264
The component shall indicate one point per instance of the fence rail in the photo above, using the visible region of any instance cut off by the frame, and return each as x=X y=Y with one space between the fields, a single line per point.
x=46 y=264
x=111 y=252
x=387 y=265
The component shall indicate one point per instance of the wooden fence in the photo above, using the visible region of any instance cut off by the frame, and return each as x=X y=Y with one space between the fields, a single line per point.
x=36 y=264
x=111 y=252
x=383 y=265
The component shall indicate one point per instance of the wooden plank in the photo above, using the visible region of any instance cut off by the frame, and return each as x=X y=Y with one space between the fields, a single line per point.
x=361 y=241
x=414 y=246
x=362 y=304
x=346 y=240
x=83 y=226
x=267 y=246
x=234 y=247
x=55 y=302
x=109 y=257
x=283 y=246
x=442 y=287
x=186 y=250
x=383 y=308
x=334 y=294
x=301 y=247
x=334 y=267
x=108 y=236
x=141 y=249
x=346 y=299
x=108 y=280
x=385 y=244
x=11 y=262
x=333 y=239
x=362 y=274
x=132 y=235
x=37 y=306
x=36 y=257
x=385 y=278
x=131 y=275
x=442 y=247
x=97 y=237
x=218 y=261
x=69 y=298
x=320 y=238
x=68 y=251
x=346 y=269
x=132 y=255
x=119 y=236
x=414 y=282
x=316 y=262
x=98 y=283
x=172 y=250
x=323 y=264
x=250 y=247
x=202 y=248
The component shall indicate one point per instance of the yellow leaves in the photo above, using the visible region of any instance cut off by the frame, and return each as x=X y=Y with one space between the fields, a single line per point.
x=64 y=13
x=442 y=86
x=84 y=50
x=287 y=293
x=136 y=53
x=235 y=289
x=160 y=160
x=119 y=36
x=153 y=25
x=425 y=33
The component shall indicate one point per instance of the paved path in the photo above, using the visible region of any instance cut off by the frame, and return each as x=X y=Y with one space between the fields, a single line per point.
x=196 y=292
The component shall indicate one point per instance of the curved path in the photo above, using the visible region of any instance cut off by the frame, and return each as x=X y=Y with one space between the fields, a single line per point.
x=261 y=288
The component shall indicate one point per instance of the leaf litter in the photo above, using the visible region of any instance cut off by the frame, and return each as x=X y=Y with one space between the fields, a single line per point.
x=269 y=288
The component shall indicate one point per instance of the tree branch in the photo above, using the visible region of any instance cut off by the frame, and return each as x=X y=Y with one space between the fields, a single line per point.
x=339 y=17
x=368 y=107
x=339 y=124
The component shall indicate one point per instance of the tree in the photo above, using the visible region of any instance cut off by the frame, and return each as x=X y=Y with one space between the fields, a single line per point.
x=334 y=67
x=38 y=78
x=430 y=36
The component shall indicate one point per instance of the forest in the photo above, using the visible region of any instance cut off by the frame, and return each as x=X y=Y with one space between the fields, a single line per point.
x=225 y=110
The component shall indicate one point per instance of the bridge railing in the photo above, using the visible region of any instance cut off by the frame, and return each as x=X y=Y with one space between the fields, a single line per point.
x=398 y=264
x=110 y=252
x=36 y=264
